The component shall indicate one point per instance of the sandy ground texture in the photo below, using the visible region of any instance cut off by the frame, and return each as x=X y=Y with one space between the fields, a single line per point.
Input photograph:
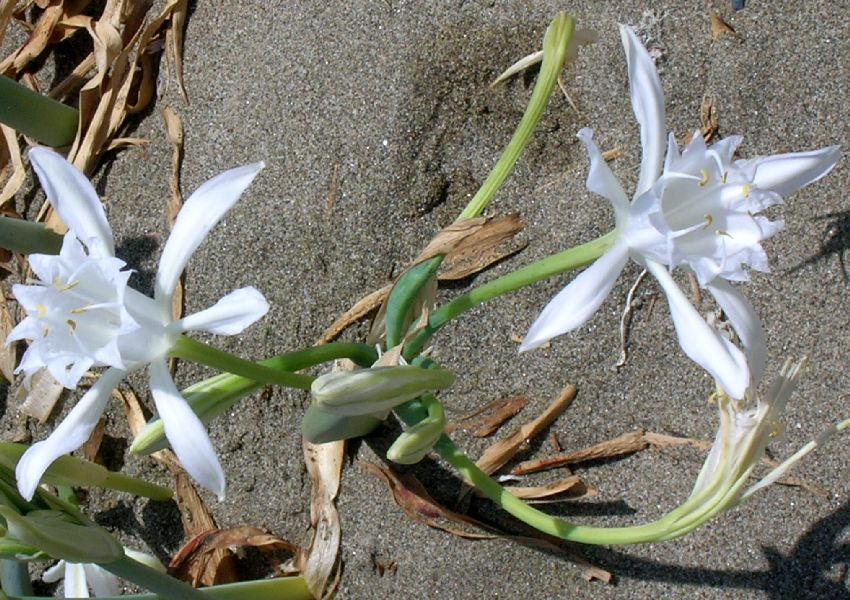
x=392 y=96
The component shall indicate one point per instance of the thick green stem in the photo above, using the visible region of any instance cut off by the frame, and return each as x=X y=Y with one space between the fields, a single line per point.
x=153 y=580
x=562 y=262
x=195 y=351
x=36 y=115
x=217 y=394
x=555 y=45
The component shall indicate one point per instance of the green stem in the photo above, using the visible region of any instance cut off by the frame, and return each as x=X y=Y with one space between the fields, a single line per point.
x=153 y=580
x=562 y=262
x=281 y=588
x=15 y=577
x=555 y=45
x=27 y=237
x=195 y=351
x=36 y=115
x=217 y=394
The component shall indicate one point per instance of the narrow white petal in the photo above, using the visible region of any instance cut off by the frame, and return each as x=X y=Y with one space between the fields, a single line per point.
x=74 y=198
x=54 y=573
x=69 y=435
x=102 y=582
x=787 y=173
x=230 y=315
x=198 y=216
x=703 y=344
x=185 y=432
x=75 y=581
x=648 y=106
x=577 y=302
x=745 y=321
x=601 y=180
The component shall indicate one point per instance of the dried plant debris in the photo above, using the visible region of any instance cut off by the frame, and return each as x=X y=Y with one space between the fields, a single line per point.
x=470 y=246
x=412 y=498
x=39 y=401
x=115 y=80
x=719 y=27
x=491 y=417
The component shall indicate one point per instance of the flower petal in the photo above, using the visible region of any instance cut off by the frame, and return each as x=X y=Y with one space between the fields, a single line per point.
x=577 y=302
x=74 y=199
x=601 y=180
x=702 y=343
x=185 y=432
x=230 y=315
x=75 y=581
x=745 y=321
x=198 y=216
x=787 y=173
x=71 y=433
x=102 y=582
x=648 y=106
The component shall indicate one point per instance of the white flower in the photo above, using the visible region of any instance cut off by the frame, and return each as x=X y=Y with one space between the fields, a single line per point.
x=82 y=314
x=697 y=210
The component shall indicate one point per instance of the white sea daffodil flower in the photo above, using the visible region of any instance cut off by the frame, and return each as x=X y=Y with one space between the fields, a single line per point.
x=82 y=314
x=696 y=209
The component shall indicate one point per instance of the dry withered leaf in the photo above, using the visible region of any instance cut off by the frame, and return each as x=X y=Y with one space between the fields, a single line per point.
x=319 y=563
x=38 y=40
x=41 y=398
x=628 y=443
x=10 y=154
x=360 y=310
x=719 y=27
x=708 y=118
x=8 y=353
x=501 y=452
x=612 y=154
x=203 y=553
x=91 y=448
x=569 y=487
x=502 y=410
x=412 y=498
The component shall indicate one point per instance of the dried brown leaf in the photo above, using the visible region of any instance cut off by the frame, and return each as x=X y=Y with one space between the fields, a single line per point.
x=501 y=452
x=203 y=554
x=708 y=117
x=177 y=11
x=360 y=310
x=91 y=448
x=8 y=353
x=486 y=424
x=625 y=444
x=319 y=563
x=11 y=155
x=612 y=154
x=719 y=27
x=41 y=398
x=38 y=40
x=571 y=486
x=482 y=247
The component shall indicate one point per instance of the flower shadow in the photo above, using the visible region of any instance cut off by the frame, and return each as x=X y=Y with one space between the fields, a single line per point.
x=835 y=242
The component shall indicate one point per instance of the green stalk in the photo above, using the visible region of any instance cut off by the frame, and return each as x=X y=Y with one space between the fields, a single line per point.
x=281 y=588
x=153 y=580
x=555 y=45
x=15 y=577
x=36 y=115
x=217 y=394
x=27 y=237
x=195 y=351
x=562 y=262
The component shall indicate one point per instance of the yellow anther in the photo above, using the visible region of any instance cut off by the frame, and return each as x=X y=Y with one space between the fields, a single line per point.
x=775 y=429
x=708 y=221
x=41 y=309
x=72 y=325
x=745 y=190
x=725 y=176
x=725 y=233
x=704 y=179
x=64 y=287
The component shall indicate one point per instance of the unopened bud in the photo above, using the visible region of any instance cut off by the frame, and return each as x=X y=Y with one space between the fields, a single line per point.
x=412 y=445
x=376 y=390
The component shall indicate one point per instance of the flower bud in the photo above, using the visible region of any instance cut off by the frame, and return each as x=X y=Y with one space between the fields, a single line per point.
x=412 y=445
x=375 y=390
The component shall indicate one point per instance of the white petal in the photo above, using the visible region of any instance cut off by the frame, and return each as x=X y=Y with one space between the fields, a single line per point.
x=601 y=180
x=69 y=435
x=185 y=432
x=198 y=216
x=54 y=573
x=648 y=106
x=230 y=315
x=102 y=582
x=787 y=173
x=75 y=581
x=74 y=198
x=577 y=302
x=745 y=321
x=703 y=344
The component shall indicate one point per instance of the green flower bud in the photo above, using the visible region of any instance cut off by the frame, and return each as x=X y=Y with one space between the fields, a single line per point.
x=412 y=445
x=375 y=390
x=56 y=534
